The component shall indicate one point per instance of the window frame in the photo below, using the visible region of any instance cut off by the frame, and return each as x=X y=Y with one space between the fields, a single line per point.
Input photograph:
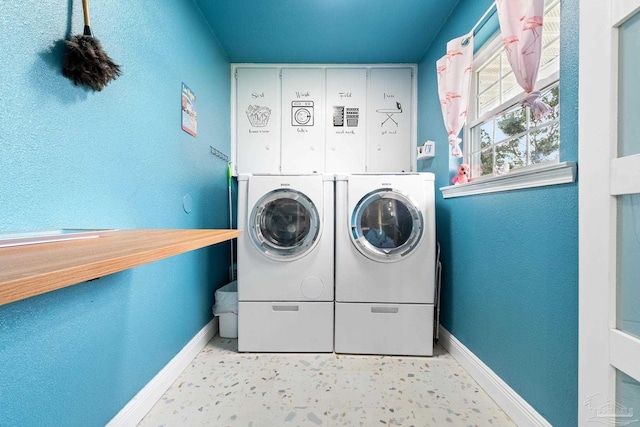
x=534 y=175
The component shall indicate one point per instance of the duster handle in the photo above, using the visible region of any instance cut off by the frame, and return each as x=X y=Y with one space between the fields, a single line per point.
x=87 y=23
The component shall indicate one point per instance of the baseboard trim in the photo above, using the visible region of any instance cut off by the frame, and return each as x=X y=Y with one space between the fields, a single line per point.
x=511 y=402
x=133 y=412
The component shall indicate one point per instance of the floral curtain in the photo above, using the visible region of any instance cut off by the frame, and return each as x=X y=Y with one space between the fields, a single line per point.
x=521 y=23
x=454 y=79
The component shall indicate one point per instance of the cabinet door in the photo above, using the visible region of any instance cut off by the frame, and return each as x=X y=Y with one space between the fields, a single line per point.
x=345 y=119
x=390 y=120
x=257 y=120
x=303 y=147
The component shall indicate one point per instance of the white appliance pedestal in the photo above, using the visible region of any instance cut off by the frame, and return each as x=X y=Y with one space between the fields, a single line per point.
x=390 y=329
x=298 y=327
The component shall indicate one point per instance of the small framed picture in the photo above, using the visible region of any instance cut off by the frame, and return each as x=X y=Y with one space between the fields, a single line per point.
x=189 y=113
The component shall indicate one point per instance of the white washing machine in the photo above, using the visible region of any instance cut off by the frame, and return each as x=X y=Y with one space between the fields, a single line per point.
x=385 y=264
x=286 y=263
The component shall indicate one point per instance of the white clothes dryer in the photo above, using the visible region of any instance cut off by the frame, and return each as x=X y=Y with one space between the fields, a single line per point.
x=286 y=263
x=385 y=263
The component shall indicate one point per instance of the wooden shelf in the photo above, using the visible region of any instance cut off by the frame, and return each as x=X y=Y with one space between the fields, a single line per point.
x=30 y=270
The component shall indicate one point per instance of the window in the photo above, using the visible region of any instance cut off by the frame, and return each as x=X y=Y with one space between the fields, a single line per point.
x=501 y=134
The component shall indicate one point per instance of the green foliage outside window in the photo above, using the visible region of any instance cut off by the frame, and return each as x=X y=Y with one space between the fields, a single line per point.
x=519 y=139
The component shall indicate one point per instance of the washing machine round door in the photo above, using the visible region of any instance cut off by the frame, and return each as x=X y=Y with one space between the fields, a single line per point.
x=386 y=225
x=284 y=225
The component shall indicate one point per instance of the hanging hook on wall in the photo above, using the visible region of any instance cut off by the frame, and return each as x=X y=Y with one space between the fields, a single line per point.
x=219 y=154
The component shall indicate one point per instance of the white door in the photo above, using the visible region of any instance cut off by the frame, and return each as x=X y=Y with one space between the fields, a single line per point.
x=609 y=209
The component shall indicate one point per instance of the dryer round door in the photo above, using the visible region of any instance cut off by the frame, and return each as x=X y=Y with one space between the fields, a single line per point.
x=386 y=225
x=284 y=225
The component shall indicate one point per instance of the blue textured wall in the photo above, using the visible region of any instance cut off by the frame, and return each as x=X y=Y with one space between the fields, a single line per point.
x=510 y=278
x=70 y=157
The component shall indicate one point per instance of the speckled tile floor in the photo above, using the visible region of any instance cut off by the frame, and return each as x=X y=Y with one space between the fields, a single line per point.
x=224 y=388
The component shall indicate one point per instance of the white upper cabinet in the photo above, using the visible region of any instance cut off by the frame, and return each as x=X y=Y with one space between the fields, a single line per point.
x=390 y=107
x=299 y=119
x=302 y=118
x=257 y=120
x=346 y=119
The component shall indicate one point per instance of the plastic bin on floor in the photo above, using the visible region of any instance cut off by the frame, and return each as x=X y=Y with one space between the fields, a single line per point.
x=228 y=325
x=226 y=308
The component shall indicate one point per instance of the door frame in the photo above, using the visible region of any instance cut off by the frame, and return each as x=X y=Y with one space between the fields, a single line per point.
x=599 y=343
